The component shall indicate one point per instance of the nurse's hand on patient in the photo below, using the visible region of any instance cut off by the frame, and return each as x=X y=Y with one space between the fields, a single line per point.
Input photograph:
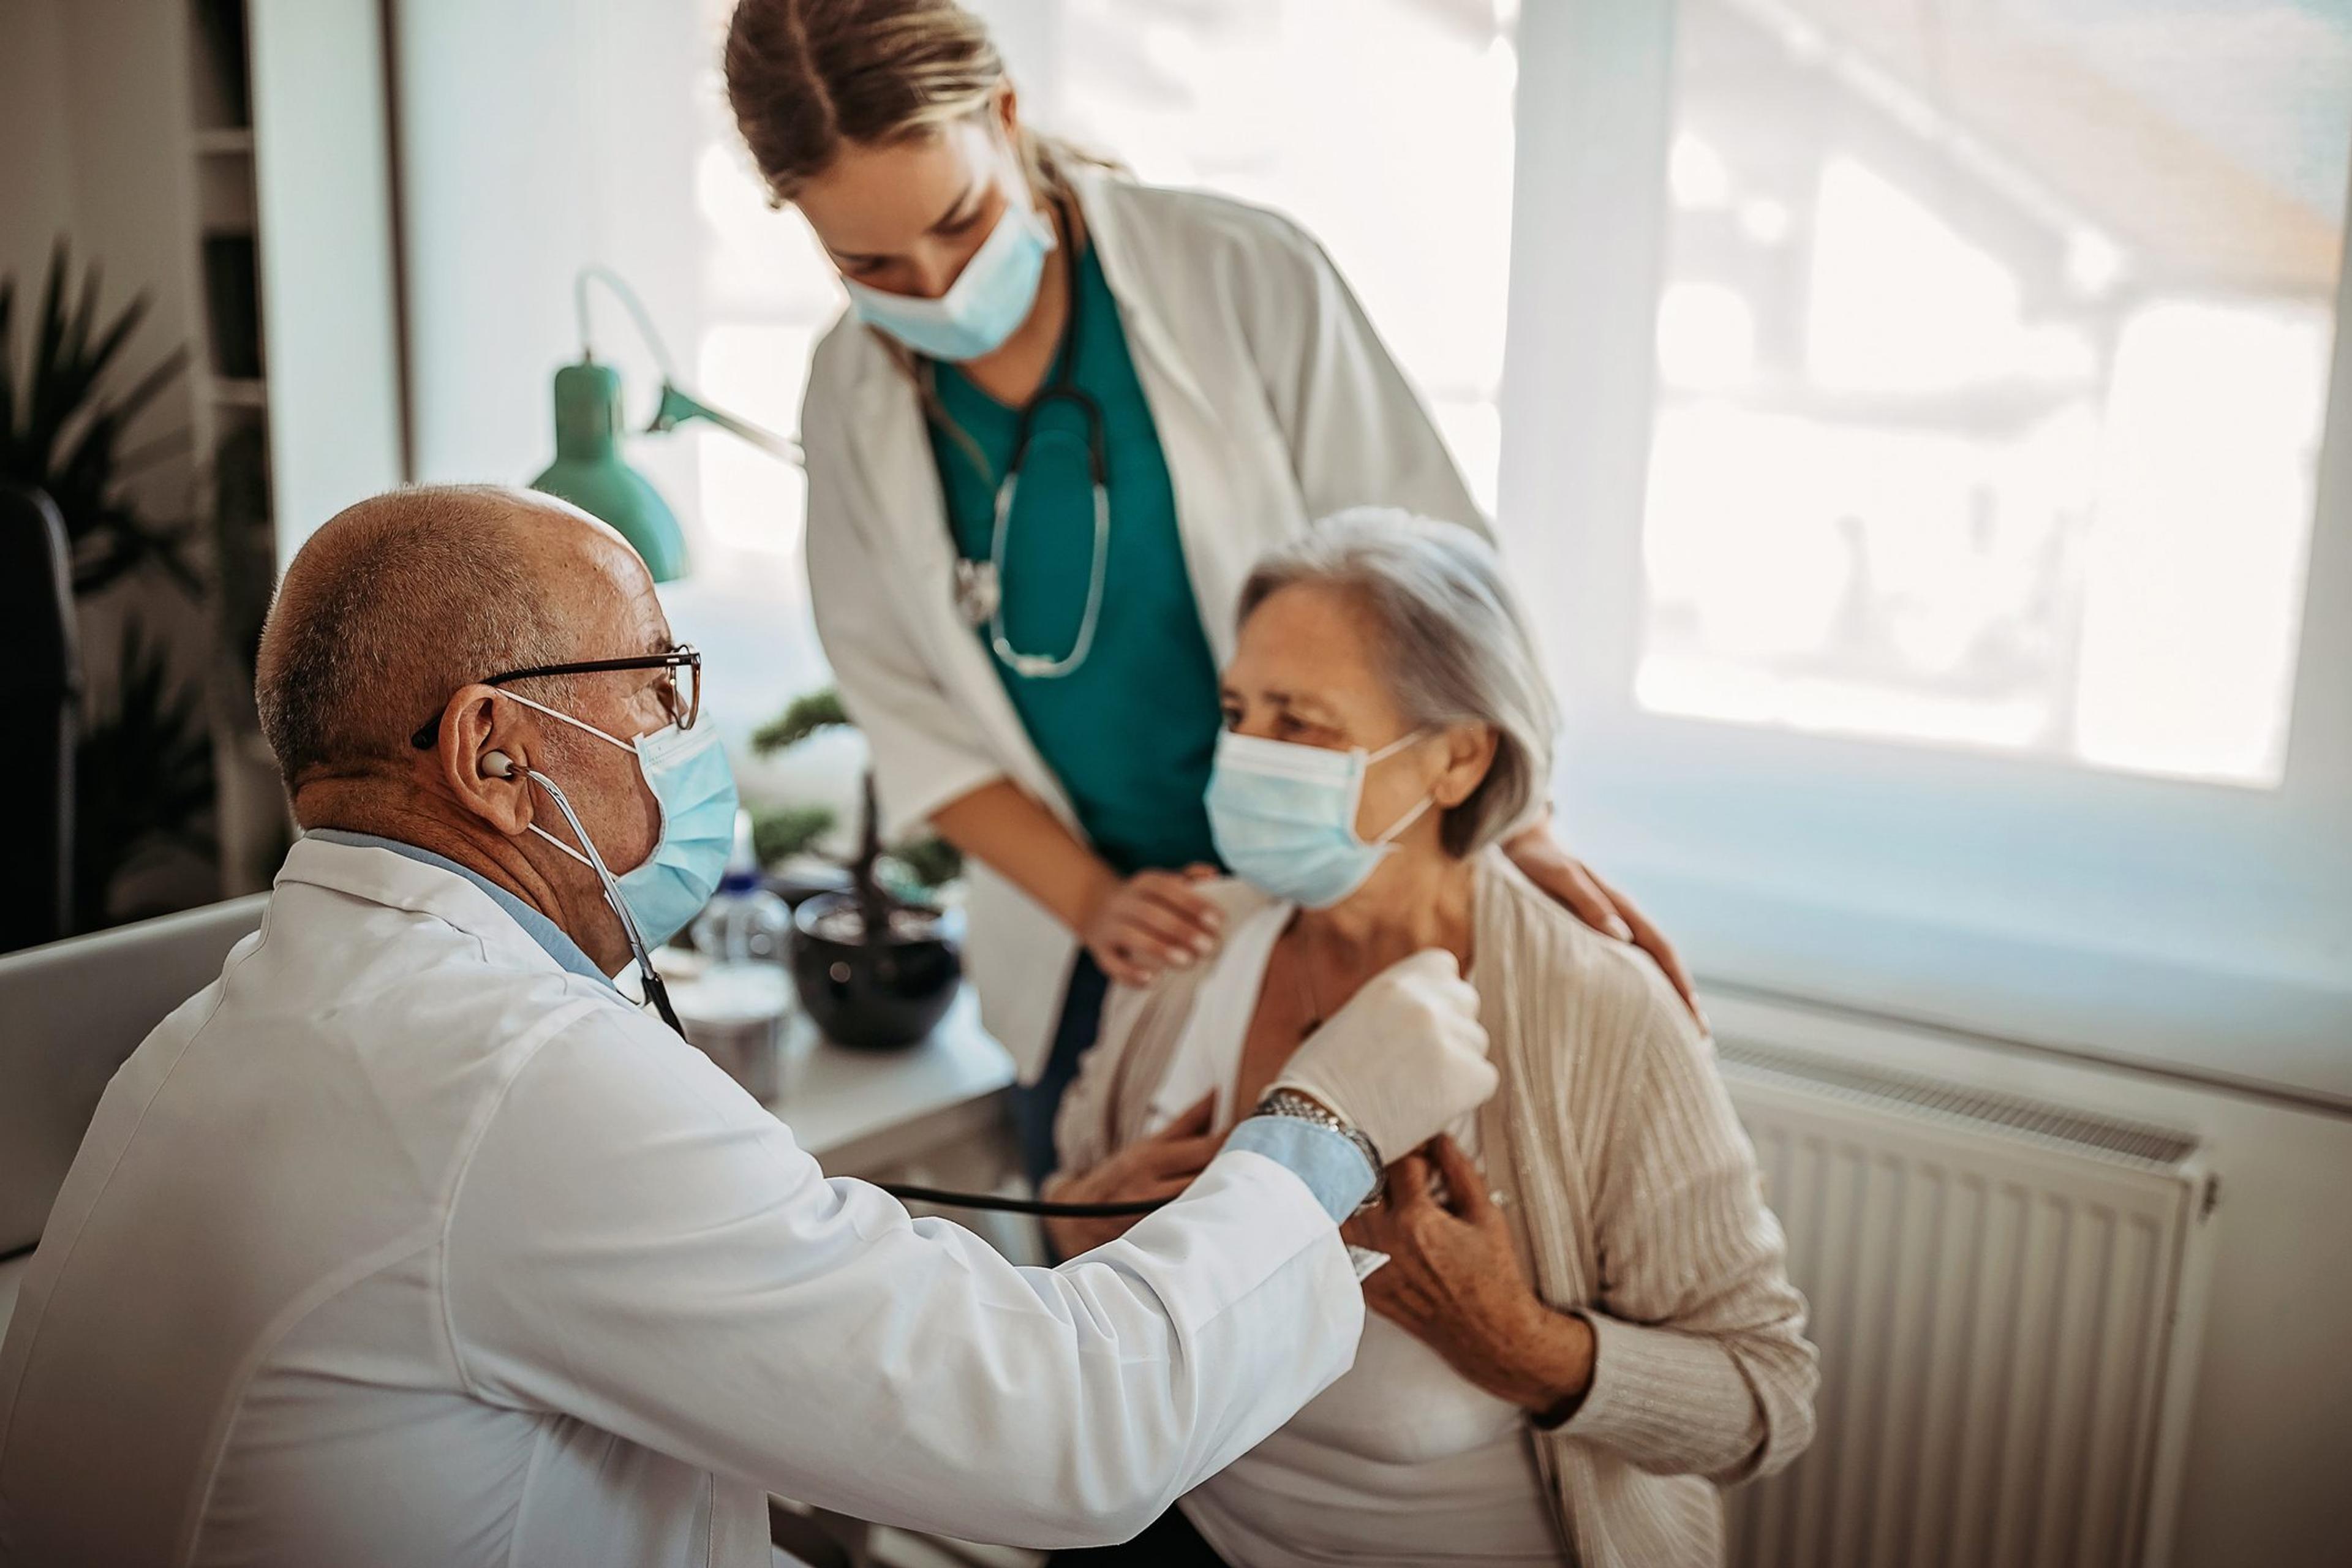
x=1579 y=889
x=1453 y=1281
x=1153 y=1169
x=1152 y=922
x=1404 y=1058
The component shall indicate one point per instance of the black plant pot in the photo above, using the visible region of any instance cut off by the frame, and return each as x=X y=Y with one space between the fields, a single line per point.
x=869 y=995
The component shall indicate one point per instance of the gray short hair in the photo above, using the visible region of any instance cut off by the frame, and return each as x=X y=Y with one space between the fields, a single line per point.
x=388 y=609
x=1458 y=647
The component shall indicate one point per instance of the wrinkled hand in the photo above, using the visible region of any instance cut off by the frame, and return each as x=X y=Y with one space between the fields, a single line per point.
x=1583 y=894
x=1153 y=922
x=1404 y=1058
x=1454 y=1282
x=1153 y=1169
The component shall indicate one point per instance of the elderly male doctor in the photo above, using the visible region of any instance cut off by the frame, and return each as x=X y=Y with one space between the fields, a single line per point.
x=410 y=1241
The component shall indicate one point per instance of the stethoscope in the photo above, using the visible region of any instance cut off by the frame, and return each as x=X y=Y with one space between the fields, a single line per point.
x=498 y=766
x=980 y=584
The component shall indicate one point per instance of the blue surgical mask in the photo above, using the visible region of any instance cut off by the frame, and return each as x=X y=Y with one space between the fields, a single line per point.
x=686 y=771
x=1283 y=816
x=989 y=299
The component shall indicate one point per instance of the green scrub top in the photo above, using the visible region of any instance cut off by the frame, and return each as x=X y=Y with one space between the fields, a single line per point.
x=1130 y=732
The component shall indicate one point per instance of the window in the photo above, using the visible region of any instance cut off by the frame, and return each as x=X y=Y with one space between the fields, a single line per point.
x=1993 y=357
x=768 y=293
x=1384 y=126
x=1925 y=437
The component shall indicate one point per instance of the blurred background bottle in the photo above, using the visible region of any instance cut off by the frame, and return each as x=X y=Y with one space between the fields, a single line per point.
x=743 y=922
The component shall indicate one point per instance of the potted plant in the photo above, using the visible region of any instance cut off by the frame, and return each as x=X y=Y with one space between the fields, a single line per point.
x=143 y=771
x=875 y=967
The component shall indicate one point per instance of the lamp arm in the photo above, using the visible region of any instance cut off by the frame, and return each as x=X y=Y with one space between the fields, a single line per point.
x=629 y=297
x=678 y=406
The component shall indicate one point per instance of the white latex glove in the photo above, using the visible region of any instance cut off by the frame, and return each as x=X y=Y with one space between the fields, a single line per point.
x=1402 y=1059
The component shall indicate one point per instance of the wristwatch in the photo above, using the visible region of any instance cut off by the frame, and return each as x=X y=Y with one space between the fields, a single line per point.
x=1291 y=1103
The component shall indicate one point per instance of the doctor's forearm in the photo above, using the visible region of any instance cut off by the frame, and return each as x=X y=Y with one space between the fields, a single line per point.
x=1009 y=831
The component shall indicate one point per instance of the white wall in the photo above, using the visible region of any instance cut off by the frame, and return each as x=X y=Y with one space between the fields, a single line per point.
x=537 y=137
x=323 y=177
x=2267 y=1463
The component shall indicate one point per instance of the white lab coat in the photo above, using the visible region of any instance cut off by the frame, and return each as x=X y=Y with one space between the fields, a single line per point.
x=401 y=1245
x=1276 y=405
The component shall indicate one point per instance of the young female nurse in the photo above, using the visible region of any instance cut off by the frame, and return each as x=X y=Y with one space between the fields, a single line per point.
x=1064 y=416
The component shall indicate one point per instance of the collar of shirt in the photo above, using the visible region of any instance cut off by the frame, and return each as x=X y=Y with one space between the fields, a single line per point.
x=538 y=927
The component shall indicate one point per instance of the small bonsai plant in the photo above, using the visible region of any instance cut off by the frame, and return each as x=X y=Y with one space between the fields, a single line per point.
x=882 y=877
x=875 y=968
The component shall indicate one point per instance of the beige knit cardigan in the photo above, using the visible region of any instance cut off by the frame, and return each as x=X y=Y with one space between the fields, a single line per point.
x=1636 y=1203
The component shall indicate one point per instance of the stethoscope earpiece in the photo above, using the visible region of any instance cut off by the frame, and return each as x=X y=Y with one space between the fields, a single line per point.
x=497 y=764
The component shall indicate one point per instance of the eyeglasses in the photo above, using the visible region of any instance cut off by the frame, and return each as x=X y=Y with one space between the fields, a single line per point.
x=681 y=688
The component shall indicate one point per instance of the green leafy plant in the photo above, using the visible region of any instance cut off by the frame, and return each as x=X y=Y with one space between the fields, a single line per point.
x=144 y=777
x=924 y=863
x=810 y=712
x=930 y=861
x=62 y=429
x=779 y=833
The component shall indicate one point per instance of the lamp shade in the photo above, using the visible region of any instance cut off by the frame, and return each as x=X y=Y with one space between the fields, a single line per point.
x=589 y=473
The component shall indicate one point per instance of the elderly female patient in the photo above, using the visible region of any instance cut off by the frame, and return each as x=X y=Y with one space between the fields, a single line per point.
x=1584 y=1325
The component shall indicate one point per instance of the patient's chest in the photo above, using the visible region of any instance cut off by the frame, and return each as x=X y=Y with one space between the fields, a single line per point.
x=1400 y=1403
x=1402 y=1461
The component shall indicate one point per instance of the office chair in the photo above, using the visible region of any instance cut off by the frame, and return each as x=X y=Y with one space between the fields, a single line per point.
x=40 y=649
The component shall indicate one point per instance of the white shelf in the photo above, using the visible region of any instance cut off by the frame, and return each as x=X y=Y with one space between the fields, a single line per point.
x=225 y=142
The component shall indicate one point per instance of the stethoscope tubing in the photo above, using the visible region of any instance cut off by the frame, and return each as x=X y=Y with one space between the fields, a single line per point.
x=907 y=1192
x=1061 y=387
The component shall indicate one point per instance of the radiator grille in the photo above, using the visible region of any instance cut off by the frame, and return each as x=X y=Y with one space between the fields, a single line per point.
x=1899 y=1093
x=1992 y=1284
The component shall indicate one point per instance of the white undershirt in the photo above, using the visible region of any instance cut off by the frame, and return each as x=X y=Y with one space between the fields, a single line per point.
x=1401 y=1461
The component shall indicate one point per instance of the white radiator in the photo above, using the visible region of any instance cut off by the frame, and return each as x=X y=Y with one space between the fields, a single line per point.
x=2005 y=1294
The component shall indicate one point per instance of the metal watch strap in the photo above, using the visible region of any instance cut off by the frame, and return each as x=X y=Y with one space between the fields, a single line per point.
x=1291 y=1103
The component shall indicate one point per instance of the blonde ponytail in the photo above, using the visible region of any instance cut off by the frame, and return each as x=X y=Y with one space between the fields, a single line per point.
x=806 y=78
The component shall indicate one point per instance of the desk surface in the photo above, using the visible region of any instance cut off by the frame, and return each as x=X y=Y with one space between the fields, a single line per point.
x=864 y=1111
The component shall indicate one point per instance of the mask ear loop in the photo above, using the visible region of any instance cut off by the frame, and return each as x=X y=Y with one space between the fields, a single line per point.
x=656 y=991
x=1395 y=829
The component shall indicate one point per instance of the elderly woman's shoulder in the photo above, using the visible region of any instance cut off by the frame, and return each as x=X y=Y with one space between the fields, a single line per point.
x=1615 y=988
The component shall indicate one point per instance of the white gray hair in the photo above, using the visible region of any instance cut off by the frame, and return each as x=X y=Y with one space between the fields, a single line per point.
x=1457 y=645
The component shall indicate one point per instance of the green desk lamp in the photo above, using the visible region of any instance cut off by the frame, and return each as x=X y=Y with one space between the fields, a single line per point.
x=588 y=470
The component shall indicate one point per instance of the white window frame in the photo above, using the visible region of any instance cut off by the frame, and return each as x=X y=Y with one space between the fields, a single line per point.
x=2207 y=929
